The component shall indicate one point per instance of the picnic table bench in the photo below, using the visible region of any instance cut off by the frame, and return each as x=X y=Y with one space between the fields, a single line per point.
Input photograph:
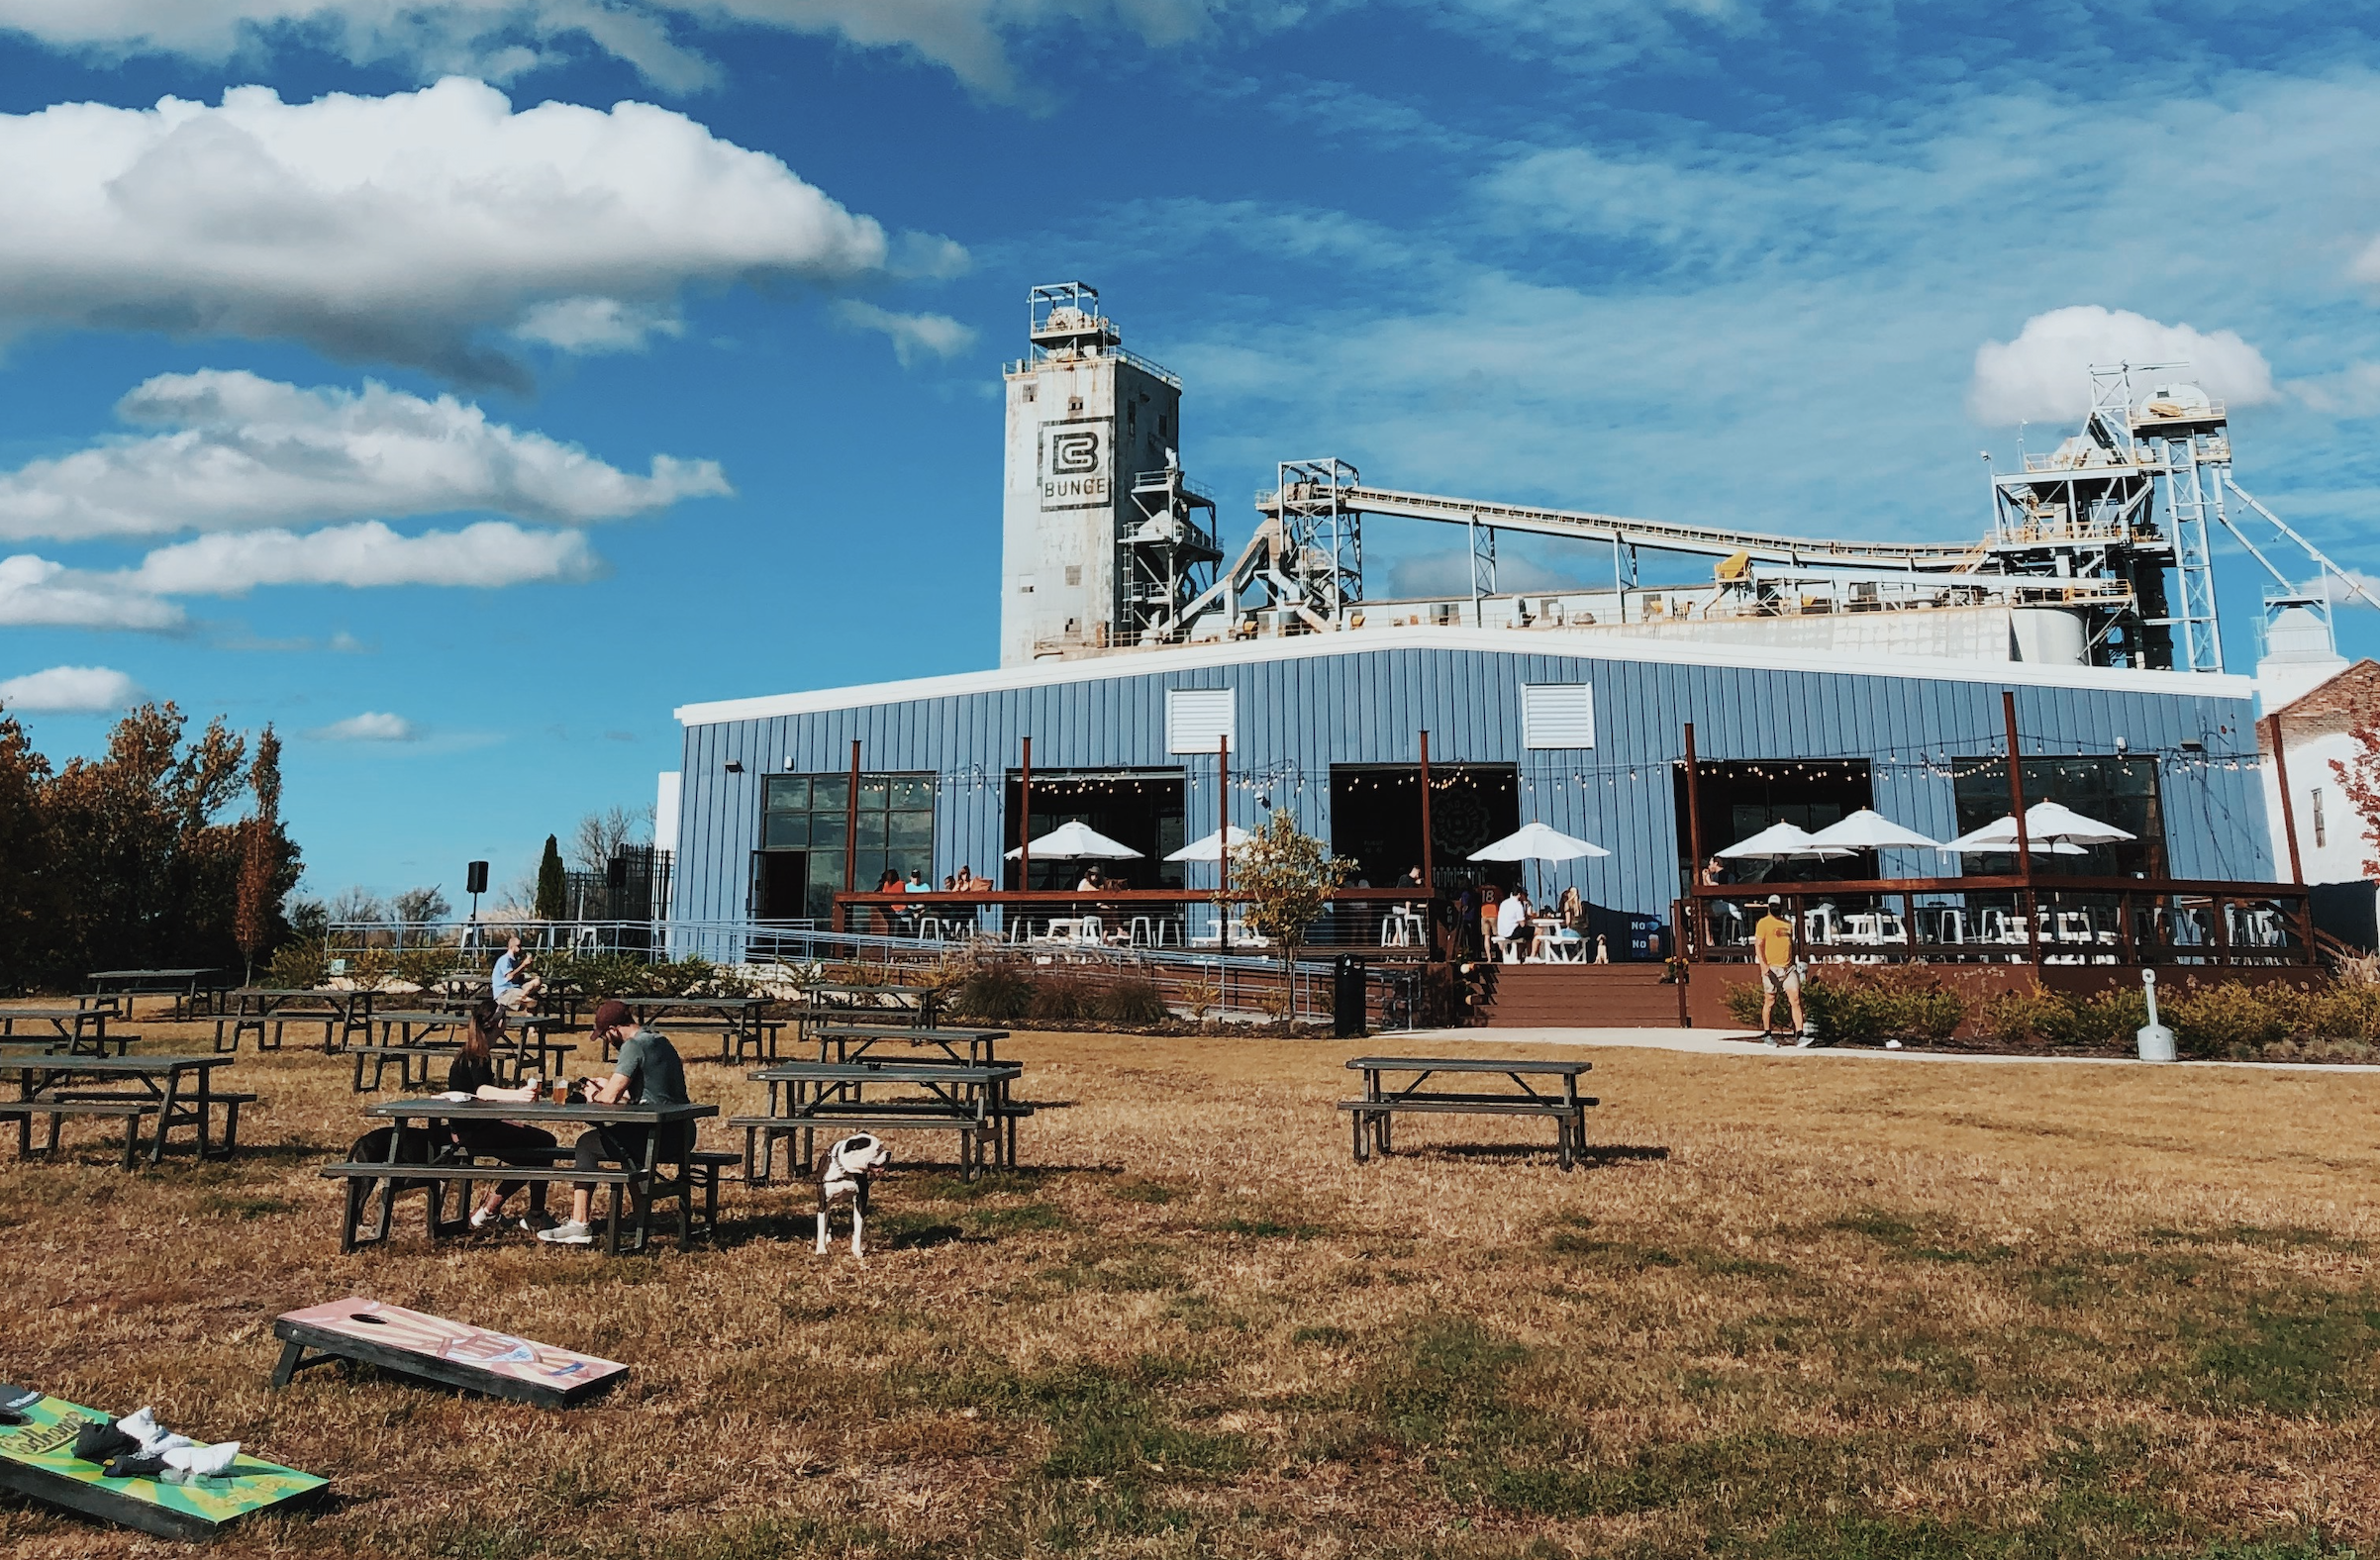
x=344 y=1015
x=46 y=1086
x=806 y=1097
x=72 y=1030
x=738 y=1021
x=447 y=1163
x=1382 y=1100
x=528 y=1047
x=193 y=990
x=850 y=1002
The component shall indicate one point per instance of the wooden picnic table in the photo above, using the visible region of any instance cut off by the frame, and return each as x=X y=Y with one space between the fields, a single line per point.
x=847 y=1042
x=192 y=990
x=159 y=1087
x=73 y=1029
x=1382 y=1100
x=344 y=1015
x=804 y=1096
x=837 y=1001
x=643 y=1182
x=404 y=1039
x=740 y=1021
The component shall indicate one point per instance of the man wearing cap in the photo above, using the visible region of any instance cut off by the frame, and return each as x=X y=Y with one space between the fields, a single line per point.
x=648 y=1073
x=1772 y=945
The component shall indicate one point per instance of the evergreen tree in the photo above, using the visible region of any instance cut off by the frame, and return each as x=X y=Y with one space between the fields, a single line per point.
x=553 y=890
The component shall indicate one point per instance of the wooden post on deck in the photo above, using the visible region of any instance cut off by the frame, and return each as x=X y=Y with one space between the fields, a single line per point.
x=1429 y=861
x=851 y=836
x=2016 y=796
x=1223 y=838
x=1694 y=908
x=1025 y=822
x=2289 y=816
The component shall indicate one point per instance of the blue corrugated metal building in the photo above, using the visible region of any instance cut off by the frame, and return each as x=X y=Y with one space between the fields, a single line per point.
x=1307 y=718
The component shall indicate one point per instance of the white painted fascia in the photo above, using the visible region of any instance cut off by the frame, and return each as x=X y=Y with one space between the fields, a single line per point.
x=1507 y=642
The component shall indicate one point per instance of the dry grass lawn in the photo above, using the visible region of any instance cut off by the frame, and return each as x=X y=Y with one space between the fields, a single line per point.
x=1798 y=1307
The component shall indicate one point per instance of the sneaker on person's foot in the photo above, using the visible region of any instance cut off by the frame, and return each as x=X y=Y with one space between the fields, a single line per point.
x=1770 y=1040
x=569 y=1232
x=537 y=1220
x=481 y=1217
x=1804 y=1040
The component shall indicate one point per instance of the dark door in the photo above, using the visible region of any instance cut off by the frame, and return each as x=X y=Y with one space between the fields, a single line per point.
x=782 y=885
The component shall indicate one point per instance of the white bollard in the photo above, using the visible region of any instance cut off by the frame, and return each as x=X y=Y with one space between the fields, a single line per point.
x=2154 y=1040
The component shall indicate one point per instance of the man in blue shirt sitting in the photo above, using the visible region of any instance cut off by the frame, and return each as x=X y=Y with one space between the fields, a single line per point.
x=514 y=987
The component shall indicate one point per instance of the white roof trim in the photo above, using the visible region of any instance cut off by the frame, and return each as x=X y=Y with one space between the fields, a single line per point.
x=1509 y=641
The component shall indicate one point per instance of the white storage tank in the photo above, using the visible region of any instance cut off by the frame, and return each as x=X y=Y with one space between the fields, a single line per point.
x=2051 y=635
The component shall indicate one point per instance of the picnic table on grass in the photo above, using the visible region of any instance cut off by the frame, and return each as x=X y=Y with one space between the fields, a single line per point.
x=847 y=1001
x=739 y=1021
x=193 y=990
x=344 y=1015
x=438 y=1162
x=1382 y=1100
x=405 y=1038
x=849 y=1042
x=806 y=1098
x=72 y=1030
x=179 y=1090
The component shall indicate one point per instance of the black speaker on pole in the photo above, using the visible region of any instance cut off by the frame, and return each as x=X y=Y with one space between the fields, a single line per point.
x=476 y=878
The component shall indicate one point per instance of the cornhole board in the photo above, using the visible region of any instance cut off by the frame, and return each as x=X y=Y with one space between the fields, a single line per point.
x=37 y=1459
x=455 y=1353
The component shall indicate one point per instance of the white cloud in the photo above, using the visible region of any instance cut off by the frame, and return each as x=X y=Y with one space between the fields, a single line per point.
x=911 y=334
x=240 y=451
x=2041 y=376
x=489 y=554
x=36 y=593
x=595 y=325
x=372 y=725
x=404 y=228
x=496 y=39
x=70 y=687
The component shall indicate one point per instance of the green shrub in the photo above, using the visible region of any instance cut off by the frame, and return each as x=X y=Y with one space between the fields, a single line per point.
x=2232 y=1019
x=1130 y=998
x=1866 y=1005
x=426 y=967
x=298 y=966
x=992 y=994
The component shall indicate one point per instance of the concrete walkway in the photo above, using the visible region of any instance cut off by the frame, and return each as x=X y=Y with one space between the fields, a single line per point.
x=1737 y=1043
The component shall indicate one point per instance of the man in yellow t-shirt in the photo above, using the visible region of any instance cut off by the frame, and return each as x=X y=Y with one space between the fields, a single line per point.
x=1772 y=945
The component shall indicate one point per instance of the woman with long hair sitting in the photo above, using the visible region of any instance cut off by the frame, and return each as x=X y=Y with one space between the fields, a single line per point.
x=506 y=1143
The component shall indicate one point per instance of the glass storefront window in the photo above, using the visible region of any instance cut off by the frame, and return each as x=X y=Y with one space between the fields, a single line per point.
x=810 y=816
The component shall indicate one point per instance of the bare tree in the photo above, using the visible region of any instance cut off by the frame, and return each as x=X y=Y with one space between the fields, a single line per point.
x=358 y=904
x=418 y=907
x=600 y=835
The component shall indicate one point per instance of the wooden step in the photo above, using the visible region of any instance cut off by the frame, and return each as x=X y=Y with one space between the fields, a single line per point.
x=1579 y=996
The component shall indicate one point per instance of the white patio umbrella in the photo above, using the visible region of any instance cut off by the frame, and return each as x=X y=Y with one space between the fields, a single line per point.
x=1079 y=841
x=2053 y=820
x=2050 y=829
x=2000 y=839
x=1537 y=842
x=1783 y=842
x=1210 y=848
x=1869 y=830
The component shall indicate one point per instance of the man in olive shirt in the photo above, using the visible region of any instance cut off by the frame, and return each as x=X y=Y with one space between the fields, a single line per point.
x=651 y=1073
x=1772 y=945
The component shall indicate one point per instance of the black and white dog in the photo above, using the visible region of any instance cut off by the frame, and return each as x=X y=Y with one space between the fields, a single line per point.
x=844 y=1170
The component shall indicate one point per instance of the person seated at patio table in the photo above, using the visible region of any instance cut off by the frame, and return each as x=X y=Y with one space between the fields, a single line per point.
x=509 y=981
x=507 y=1142
x=1511 y=914
x=650 y=1073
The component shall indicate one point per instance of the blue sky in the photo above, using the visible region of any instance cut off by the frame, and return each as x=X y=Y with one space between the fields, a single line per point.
x=462 y=431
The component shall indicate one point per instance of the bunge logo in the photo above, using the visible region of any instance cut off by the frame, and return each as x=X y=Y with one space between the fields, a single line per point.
x=1073 y=466
x=1074 y=451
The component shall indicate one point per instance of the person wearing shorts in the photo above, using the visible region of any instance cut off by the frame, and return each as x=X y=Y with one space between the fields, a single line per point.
x=510 y=983
x=1780 y=974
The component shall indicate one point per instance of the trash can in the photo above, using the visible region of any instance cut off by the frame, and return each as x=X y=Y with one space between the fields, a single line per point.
x=1347 y=998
